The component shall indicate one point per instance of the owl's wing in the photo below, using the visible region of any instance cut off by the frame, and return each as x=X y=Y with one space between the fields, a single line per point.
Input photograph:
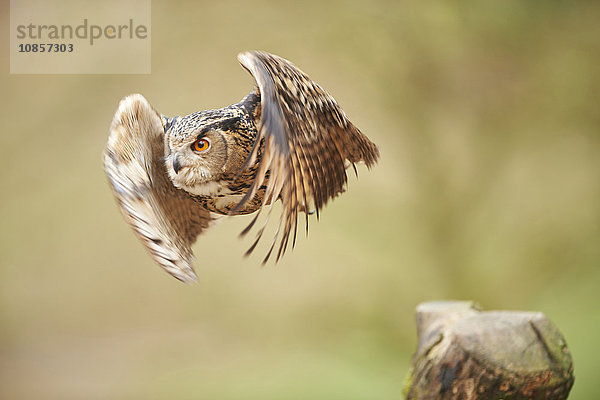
x=165 y=218
x=308 y=143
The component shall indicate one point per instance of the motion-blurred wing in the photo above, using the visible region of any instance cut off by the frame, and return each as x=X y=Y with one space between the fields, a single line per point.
x=165 y=218
x=308 y=142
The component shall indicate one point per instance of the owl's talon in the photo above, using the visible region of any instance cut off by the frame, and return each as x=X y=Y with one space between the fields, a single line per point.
x=302 y=208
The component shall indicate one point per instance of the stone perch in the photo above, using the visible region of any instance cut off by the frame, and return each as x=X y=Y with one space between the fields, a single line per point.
x=465 y=353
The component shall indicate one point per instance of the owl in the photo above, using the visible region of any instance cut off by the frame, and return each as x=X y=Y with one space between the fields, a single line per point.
x=288 y=140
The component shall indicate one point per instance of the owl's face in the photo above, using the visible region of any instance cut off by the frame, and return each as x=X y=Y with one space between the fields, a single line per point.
x=196 y=161
x=203 y=150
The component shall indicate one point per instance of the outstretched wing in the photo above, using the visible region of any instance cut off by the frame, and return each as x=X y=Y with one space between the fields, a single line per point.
x=165 y=218
x=308 y=143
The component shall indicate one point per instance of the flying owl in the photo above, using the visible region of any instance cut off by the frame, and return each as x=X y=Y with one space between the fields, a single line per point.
x=287 y=140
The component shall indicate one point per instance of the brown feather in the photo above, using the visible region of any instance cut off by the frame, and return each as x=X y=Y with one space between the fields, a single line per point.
x=166 y=219
x=307 y=140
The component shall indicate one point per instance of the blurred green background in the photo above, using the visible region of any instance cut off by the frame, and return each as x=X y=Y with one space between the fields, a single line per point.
x=487 y=115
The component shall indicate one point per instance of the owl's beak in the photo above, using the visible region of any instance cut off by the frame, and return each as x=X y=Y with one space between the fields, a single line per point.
x=176 y=164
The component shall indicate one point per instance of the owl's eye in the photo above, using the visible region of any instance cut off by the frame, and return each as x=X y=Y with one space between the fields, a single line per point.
x=201 y=145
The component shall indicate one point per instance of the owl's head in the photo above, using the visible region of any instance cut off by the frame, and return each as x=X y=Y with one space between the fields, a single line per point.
x=205 y=148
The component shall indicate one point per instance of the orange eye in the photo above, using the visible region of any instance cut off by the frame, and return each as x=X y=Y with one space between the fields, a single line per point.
x=201 y=145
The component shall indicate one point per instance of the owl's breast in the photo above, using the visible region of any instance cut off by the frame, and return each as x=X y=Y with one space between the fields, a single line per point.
x=223 y=195
x=227 y=199
x=209 y=188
